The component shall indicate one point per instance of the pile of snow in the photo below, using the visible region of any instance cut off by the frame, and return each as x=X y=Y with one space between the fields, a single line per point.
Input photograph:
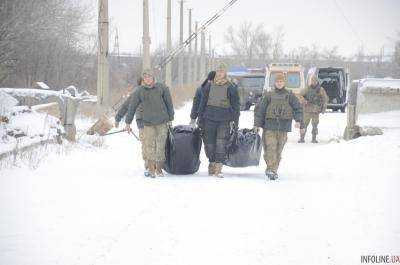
x=41 y=94
x=7 y=102
x=42 y=85
x=379 y=84
x=27 y=127
x=334 y=201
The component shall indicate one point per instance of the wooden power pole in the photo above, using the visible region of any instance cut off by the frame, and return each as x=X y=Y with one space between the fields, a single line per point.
x=102 y=64
x=209 y=54
x=168 y=67
x=146 y=36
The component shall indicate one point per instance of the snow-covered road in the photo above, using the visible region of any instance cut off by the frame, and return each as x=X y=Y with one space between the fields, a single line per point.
x=333 y=202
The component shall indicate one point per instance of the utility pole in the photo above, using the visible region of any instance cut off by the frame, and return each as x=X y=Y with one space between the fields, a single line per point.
x=168 y=67
x=181 y=56
x=190 y=64
x=209 y=54
x=146 y=64
x=203 y=55
x=116 y=48
x=196 y=61
x=102 y=64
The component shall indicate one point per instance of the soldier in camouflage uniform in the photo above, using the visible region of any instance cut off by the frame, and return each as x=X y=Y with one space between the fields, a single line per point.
x=157 y=115
x=139 y=123
x=315 y=101
x=218 y=113
x=274 y=114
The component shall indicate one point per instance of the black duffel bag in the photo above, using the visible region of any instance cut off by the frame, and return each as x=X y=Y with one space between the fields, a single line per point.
x=244 y=149
x=182 y=151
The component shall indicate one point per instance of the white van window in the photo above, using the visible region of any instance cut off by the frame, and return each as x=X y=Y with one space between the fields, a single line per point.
x=292 y=80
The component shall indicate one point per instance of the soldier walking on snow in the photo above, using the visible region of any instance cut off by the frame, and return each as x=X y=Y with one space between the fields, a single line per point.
x=158 y=114
x=274 y=114
x=139 y=123
x=218 y=113
x=315 y=103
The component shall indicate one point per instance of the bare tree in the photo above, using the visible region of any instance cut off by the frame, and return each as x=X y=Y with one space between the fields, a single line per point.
x=248 y=42
x=44 y=40
x=278 y=37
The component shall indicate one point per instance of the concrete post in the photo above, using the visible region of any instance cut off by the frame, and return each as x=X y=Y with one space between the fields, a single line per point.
x=146 y=36
x=68 y=108
x=203 y=55
x=352 y=130
x=190 y=63
x=168 y=67
x=181 y=56
x=195 y=57
x=102 y=64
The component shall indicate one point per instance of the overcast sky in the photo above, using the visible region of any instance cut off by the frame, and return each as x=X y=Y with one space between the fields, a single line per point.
x=305 y=22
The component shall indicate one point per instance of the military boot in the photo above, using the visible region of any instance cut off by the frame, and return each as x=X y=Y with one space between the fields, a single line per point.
x=211 y=168
x=218 y=170
x=314 y=139
x=271 y=175
x=301 y=140
x=146 y=168
x=152 y=169
x=159 y=167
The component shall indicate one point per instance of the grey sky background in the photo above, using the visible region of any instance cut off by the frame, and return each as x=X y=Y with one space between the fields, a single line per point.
x=305 y=22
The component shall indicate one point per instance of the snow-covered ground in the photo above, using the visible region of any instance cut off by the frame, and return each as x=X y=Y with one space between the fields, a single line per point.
x=334 y=201
x=33 y=127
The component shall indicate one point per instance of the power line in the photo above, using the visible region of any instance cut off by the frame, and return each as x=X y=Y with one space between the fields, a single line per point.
x=348 y=22
x=194 y=35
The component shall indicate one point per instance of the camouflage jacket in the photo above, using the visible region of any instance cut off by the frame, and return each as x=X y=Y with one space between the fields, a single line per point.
x=278 y=124
x=156 y=103
x=316 y=99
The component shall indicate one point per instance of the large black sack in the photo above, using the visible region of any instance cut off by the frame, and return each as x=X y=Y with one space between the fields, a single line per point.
x=182 y=150
x=244 y=149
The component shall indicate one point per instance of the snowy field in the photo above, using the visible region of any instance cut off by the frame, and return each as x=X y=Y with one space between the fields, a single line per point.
x=334 y=201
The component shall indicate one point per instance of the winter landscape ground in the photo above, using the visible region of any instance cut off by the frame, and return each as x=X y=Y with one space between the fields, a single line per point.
x=334 y=202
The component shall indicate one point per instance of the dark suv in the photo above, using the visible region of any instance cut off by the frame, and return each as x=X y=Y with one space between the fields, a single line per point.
x=250 y=85
x=335 y=81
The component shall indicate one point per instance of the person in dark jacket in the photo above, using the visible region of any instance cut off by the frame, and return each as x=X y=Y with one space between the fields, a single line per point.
x=157 y=116
x=274 y=114
x=139 y=123
x=218 y=111
x=194 y=114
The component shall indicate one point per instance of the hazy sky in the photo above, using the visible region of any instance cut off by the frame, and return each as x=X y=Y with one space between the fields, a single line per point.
x=305 y=22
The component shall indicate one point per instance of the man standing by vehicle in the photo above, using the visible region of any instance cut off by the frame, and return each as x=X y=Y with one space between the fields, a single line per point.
x=219 y=112
x=315 y=103
x=274 y=114
x=158 y=114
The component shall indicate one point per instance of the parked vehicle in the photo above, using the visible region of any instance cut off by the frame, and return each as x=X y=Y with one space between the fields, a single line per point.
x=294 y=76
x=250 y=83
x=335 y=81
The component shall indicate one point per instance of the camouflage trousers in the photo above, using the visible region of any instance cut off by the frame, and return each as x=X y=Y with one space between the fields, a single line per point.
x=216 y=136
x=314 y=119
x=141 y=138
x=154 y=139
x=273 y=141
